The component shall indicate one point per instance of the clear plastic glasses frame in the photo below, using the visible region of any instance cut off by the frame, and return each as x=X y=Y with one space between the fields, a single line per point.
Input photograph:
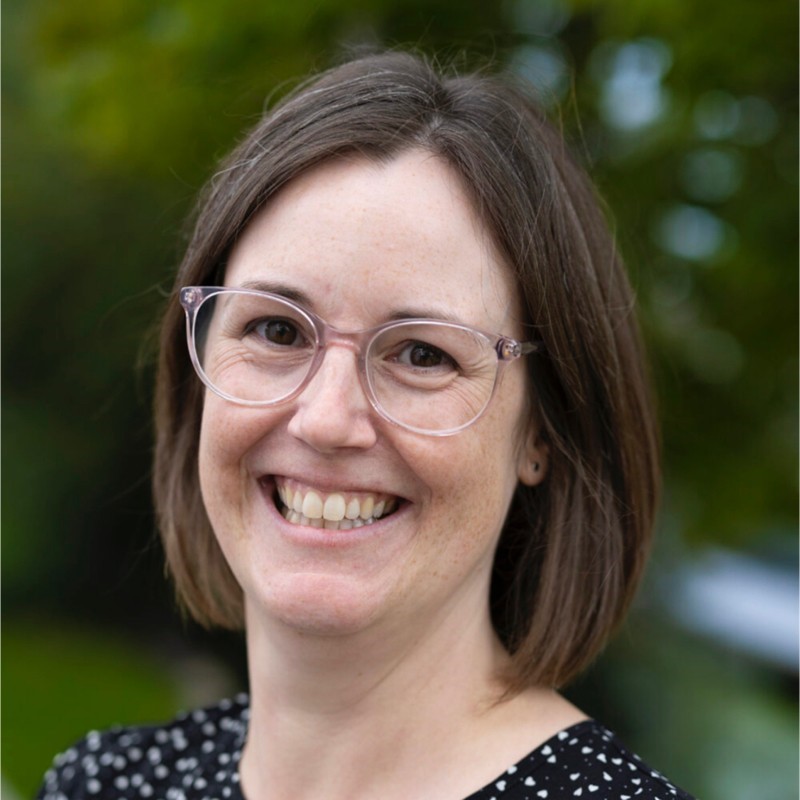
x=495 y=351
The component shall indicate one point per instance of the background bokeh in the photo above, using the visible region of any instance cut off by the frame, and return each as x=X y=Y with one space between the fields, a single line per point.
x=115 y=113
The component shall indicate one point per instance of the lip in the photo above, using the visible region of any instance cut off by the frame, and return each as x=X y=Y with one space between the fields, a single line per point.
x=323 y=537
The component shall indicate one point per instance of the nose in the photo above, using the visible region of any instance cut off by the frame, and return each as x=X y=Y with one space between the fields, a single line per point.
x=333 y=412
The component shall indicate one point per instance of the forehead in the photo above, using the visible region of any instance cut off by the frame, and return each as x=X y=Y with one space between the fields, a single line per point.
x=364 y=240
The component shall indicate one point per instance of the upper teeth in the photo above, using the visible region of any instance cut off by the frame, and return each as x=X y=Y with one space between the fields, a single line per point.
x=312 y=506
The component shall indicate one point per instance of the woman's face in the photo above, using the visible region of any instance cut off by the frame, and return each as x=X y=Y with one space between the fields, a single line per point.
x=363 y=243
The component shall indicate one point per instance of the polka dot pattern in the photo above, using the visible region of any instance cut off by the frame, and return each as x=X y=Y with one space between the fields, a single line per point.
x=585 y=761
x=196 y=757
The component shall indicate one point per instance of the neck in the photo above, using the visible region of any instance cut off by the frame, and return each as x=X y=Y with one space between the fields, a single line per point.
x=346 y=711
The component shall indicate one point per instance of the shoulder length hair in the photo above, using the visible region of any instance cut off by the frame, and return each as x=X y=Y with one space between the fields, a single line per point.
x=572 y=549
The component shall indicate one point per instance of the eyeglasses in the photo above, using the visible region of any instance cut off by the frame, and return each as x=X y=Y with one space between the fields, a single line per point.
x=259 y=349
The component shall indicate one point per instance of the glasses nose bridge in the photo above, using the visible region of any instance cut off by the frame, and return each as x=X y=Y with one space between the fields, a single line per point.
x=354 y=341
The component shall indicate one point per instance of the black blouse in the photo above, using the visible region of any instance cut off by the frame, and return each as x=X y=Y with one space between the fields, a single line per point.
x=196 y=757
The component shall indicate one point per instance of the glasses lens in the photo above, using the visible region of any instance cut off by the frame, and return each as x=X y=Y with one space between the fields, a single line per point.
x=253 y=348
x=431 y=376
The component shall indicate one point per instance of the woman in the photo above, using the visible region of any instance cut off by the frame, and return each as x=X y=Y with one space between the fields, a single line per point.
x=418 y=466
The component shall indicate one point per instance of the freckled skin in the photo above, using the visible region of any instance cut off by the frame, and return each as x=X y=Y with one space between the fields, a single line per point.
x=363 y=240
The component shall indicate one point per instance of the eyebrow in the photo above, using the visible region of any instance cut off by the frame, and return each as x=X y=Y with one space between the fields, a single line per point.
x=282 y=289
x=423 y=313
x=301 y=298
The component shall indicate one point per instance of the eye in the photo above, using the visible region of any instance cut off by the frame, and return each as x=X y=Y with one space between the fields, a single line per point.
x=425 y=356
x=281 y=332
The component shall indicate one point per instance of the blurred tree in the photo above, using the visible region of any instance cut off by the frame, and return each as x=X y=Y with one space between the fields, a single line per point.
x=693 y=133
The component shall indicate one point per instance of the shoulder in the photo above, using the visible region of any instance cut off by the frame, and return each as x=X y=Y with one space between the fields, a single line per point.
x=584 y=761
x=195 y=755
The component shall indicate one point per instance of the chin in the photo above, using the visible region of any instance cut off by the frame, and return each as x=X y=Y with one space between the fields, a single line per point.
x=317 y=604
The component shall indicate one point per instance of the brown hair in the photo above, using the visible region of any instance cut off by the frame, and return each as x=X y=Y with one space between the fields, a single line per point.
x=573 y=548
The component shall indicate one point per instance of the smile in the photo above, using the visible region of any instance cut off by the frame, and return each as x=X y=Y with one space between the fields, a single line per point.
x=338 y=511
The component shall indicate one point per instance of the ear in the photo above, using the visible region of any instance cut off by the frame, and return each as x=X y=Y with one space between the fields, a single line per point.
x=533 y=459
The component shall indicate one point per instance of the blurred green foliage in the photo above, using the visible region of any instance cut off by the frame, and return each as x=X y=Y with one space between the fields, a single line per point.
x=105 y=682
x=116 y=113
x=721 y=727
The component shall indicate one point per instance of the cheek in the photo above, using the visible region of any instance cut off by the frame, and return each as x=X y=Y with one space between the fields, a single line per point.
x=471 y=482
x=215 y=454
x=225 y=438
x=481 y=490
x=229 y=432
x=215 y=485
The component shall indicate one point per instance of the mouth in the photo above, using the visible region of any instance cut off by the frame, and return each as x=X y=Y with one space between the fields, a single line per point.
x=337 y=511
